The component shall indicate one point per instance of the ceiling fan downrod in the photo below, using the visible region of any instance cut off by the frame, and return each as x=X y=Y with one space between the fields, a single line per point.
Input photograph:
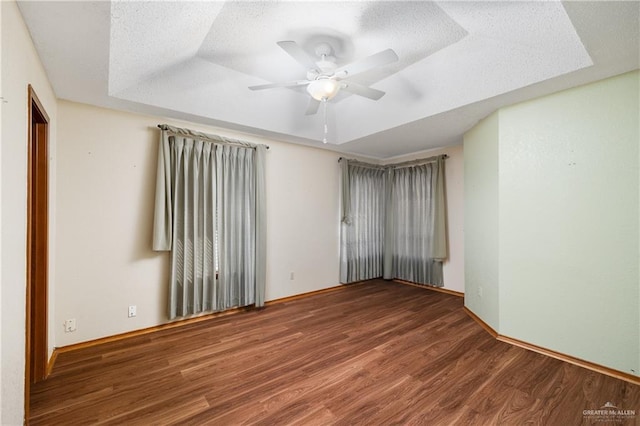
x=326 y=128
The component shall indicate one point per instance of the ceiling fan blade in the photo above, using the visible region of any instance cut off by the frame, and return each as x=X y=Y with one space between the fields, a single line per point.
x=361 y=90
x=274 y=85
x=296 y=52
x=313 y=106
x=376 y=60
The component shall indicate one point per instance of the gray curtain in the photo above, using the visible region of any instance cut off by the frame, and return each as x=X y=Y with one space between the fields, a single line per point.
x=413 y=228
x=393 y=222
x=363 y=215
x=210 y=213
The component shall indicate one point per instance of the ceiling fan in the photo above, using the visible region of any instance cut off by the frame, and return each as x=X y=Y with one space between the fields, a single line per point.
x=325 y=79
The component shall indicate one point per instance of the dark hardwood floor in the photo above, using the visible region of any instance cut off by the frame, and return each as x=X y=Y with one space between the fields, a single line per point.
x=378 y=353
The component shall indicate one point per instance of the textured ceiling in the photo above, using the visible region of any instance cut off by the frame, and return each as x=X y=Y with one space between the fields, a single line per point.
x=458 y=61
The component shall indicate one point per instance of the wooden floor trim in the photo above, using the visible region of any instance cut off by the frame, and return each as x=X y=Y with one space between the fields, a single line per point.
x=572 y=360
x=52 y=361
x=143 y=331
x=311 y=293
x=181 y=323
x=482 y=324
x=548 y=352
x=379 y=353
x=554 y=354
x=431 y=287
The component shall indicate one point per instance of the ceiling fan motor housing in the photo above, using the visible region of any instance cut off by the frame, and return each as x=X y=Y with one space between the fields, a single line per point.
x=323 y=88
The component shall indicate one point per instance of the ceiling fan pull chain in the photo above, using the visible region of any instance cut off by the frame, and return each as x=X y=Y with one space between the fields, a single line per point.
x=326 y=129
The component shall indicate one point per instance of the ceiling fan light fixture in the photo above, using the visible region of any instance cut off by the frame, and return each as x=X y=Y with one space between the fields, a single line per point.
x=323 y=89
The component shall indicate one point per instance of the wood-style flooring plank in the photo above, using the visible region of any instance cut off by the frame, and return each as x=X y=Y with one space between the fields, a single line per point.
x=377 y=353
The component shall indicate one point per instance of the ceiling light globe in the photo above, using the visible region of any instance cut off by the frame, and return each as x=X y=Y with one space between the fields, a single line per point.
x=323 y=89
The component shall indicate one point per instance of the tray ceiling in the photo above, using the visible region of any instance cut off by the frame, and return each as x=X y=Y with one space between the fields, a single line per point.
x=459 y=61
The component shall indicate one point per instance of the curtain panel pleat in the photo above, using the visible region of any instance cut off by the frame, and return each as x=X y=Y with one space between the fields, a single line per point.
x=393 y=222
x=362 y=235
x=210 y=213
x=413 y=227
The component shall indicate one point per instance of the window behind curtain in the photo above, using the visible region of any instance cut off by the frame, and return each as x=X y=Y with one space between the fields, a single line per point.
x=210 y=214
x=393 y=223
x=362 y=236
x=413 y=226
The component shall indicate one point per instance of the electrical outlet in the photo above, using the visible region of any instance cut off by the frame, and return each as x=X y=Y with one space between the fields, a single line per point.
x=291 y=276
x=70 y=325
x=132 y=311
x=480 y=291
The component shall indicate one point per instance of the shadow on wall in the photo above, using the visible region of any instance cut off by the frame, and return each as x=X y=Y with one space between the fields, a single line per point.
x=144 y=208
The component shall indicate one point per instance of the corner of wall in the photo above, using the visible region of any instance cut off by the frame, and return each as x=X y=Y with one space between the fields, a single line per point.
x=453 y=267
x=562 y=184
x=20 y=66
x=481 y=220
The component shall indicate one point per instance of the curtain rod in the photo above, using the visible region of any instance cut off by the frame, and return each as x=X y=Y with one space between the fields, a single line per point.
x=419 y=161
x=176 y=131
x=402 y=164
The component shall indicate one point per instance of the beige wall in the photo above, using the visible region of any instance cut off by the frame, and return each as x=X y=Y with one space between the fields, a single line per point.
x=453 y=268
x=20 y=67
x=563 y=187
x=106 y=183
x=102 y=176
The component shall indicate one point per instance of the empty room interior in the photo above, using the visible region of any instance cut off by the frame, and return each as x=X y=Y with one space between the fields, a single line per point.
x=371 y=212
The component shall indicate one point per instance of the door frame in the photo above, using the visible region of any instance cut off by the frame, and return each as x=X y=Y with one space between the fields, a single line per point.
x=36 y=327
